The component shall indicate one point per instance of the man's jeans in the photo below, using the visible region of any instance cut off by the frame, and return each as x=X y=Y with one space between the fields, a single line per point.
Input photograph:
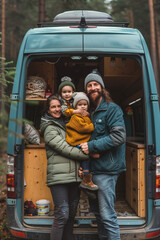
x=103 y=207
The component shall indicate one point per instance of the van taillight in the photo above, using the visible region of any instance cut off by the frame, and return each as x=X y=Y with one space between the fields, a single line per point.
x=10 y=177
x=157 y=190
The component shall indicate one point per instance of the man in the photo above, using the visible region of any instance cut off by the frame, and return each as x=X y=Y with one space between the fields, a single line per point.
x=108 y=139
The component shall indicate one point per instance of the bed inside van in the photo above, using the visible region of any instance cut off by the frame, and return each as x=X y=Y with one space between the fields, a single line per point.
x=123 y=78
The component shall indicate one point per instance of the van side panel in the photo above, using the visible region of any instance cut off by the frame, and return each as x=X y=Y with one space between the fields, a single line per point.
x=16 y=111
x=152 y=101
x=12 y=128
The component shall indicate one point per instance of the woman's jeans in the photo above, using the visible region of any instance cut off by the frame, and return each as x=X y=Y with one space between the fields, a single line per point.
x=103 y=207
x=65 y=198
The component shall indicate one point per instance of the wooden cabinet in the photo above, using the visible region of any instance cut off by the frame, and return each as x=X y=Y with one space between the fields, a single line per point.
x=35 y=170
x=135 y=177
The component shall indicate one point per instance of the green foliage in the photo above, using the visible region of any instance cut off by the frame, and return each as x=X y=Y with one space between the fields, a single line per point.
x=4 y=232
x=121 y=11
x=54 y=7
x=20 y=16
x=6 y=78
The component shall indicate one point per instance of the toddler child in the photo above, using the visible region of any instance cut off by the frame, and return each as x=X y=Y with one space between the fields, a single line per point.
x=78 y=130
x=66 y=90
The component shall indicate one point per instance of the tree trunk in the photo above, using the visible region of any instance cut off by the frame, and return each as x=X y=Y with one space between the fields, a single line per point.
x=41 y=10
x=132 y=18
x=153 y=42
x=2 y=63
x=127 y=16
x=3 y=28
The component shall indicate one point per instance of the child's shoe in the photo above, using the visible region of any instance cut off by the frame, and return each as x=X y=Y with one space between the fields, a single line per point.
x=87 y=183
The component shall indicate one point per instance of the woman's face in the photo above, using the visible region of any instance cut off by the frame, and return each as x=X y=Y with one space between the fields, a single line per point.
x=55 y=108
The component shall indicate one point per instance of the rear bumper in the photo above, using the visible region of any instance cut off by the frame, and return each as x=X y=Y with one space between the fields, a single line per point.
x=84 y=232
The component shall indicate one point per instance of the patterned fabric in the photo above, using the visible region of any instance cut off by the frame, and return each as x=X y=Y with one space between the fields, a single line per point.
x=29 y=208
x=36 y=87
x=31 y=134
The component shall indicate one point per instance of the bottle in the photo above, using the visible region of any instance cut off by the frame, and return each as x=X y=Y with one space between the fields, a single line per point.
x=48 y=91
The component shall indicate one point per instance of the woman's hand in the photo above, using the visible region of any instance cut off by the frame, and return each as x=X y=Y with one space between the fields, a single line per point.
x=80 y=172
x=84 y=147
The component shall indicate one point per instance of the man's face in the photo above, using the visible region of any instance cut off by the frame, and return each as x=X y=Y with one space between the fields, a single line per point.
x=94 y=91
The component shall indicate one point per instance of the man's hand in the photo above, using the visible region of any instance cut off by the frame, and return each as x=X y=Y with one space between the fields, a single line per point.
x=95 y=155
x=84 y=147
x=85 y=113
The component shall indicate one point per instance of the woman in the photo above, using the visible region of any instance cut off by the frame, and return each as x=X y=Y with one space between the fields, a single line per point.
x=62 y=170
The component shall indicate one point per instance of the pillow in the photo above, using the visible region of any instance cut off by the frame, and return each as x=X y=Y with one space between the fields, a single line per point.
x=31 y=134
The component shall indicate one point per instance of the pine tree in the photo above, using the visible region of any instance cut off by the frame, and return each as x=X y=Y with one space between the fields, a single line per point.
x=6 y=78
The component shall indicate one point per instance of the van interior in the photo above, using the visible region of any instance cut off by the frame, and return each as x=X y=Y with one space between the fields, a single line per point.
x=122 y=75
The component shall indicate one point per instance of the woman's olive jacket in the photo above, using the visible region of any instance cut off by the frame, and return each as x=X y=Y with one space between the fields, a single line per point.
x=63 y=159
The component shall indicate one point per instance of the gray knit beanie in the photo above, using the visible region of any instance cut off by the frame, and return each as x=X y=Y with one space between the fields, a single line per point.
x=78 y=96
x=93 y=76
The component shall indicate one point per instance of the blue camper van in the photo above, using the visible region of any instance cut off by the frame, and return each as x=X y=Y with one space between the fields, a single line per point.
x=74 y=44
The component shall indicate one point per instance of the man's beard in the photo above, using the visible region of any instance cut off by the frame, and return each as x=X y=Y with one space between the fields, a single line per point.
x=95 y=101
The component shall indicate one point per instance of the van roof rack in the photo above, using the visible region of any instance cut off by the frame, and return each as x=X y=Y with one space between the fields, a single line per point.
x=82 y=18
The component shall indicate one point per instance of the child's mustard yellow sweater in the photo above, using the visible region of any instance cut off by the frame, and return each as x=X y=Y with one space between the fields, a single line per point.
x=78 y=129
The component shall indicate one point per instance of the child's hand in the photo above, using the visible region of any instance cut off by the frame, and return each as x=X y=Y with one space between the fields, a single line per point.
x=77 y=111
x=81 y=111
x=95 y=155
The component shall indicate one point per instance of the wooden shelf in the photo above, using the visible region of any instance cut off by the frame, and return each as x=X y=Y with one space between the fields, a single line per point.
x=136 y=144
x=41 y=145
x=36 y=99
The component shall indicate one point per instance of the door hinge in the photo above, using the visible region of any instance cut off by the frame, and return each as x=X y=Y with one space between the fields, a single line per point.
x=151 y=149
x=14 y=96
x=154 y=97
x=151 y=171
x=17 y=148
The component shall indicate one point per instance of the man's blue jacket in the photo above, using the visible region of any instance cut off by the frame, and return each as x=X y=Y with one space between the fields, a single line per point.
x=108 y=139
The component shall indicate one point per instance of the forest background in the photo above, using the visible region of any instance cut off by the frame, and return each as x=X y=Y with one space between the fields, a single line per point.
x=17 y=16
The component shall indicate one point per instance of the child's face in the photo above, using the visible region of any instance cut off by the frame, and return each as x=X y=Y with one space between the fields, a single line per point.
x=82 y=104
x=67 y=92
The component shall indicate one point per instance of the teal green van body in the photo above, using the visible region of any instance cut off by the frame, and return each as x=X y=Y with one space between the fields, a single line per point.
x=95 y=40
